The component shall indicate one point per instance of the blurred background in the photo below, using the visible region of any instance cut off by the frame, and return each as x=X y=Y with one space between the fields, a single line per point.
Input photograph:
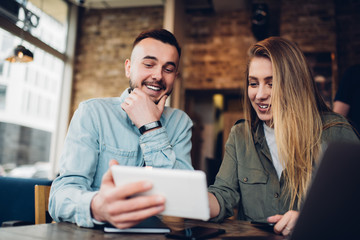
x=74 y=50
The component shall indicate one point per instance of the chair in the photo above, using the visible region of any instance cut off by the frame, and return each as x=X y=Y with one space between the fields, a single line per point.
x=41 y=204
x=17 y=200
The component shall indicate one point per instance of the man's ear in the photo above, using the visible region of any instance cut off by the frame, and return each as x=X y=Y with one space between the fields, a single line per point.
x=127 y=67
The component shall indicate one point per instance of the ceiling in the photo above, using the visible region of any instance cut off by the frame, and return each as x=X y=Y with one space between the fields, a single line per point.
x=217 y=5
x=105 y=4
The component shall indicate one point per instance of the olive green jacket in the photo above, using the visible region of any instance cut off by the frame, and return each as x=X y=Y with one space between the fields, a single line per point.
x=247 y=178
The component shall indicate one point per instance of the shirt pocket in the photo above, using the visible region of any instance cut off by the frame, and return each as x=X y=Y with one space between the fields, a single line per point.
x=123 y=156
x=253 y=189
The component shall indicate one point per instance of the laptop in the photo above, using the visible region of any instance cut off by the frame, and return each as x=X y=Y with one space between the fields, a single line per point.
x=331 y=210
x=332 y=207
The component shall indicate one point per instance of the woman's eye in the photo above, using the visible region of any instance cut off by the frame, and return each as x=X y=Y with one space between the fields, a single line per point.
x=253 y=84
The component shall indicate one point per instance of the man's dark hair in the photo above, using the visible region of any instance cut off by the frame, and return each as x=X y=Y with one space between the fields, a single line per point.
x=162 y=35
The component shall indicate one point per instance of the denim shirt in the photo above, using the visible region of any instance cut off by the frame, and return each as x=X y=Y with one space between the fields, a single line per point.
x=100 y=130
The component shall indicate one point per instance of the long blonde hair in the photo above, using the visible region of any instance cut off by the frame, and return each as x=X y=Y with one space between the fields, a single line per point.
x=296 y=106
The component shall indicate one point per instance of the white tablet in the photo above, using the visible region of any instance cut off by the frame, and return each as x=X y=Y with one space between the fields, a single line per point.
x=185 y=191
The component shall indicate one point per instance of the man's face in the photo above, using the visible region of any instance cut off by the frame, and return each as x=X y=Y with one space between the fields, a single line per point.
x=153 y=68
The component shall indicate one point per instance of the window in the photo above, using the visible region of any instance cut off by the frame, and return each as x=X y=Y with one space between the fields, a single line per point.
x=31 y=94
x=2 y=96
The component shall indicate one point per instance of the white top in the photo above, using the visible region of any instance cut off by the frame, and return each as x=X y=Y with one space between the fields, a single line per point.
x=270 y=139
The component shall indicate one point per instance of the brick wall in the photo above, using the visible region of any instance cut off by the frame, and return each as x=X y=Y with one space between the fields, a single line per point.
x=215 y=49
x=310 y=23
x=216 y=44
x=104 y=42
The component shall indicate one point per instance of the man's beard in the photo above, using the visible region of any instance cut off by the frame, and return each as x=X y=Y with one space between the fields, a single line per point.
x=132 y=86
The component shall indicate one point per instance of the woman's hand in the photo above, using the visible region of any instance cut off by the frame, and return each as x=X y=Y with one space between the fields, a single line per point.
x=214 y=205
x=284 y=223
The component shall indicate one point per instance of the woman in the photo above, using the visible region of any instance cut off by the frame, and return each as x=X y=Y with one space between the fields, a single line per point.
x=270 y=157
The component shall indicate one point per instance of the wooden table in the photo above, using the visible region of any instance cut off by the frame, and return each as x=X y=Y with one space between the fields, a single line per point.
x=70 y=231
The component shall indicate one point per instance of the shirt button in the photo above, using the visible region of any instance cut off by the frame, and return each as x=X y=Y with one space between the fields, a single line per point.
x=276 y=195
x=245 y=179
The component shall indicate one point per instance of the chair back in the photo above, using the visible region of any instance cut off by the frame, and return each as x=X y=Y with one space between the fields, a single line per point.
x=41 y=204
x=17 y=199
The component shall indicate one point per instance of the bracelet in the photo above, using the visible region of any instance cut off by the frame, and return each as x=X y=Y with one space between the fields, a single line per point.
x=149 y=126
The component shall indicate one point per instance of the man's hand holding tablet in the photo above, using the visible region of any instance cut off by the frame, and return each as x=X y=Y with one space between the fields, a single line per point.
x=185 y=191
x=115 y=205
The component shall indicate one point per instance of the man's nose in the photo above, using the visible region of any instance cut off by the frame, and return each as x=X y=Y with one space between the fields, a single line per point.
x=157 y=74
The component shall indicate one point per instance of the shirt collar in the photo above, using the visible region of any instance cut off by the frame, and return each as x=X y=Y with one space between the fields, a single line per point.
x=124 y=95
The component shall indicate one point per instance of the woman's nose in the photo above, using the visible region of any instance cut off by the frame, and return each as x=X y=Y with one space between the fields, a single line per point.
x=263 y=92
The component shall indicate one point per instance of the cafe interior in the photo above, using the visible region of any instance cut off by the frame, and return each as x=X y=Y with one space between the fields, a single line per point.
x=55 y=54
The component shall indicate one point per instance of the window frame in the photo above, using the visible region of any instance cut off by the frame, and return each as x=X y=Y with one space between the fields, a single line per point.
x=67 y=57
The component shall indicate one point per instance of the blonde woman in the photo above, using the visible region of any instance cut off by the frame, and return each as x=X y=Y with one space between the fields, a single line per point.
x=270 y=157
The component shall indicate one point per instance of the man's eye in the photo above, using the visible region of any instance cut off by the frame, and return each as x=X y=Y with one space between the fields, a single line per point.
x=148 y=65
x=169 y=70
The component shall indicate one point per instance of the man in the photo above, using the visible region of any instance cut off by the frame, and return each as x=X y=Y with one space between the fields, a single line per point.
x=347 y=100
x=135 y=129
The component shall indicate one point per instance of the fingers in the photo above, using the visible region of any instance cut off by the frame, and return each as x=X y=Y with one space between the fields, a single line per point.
x=161 y=103
x=131 y=189
x=126 y=198
x=274 y=219
x=136 y=94
x=113 y=162
x=107 y=179
x=131 y=99
x=286 y=223
x=129 y=212
x=140 y=108
x=121 y=205
x=139 y=203
x=130 y=219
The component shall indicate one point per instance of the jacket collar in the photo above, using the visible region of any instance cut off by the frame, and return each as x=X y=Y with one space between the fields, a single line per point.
x=259 y=138
x=258 y=132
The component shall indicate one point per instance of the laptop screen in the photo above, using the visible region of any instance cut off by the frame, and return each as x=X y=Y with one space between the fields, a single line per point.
x=332 y=206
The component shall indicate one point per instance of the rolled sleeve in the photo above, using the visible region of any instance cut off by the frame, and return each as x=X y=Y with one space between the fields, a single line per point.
x=159 y=151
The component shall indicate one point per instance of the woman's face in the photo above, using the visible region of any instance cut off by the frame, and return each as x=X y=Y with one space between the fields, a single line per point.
x=259 y=88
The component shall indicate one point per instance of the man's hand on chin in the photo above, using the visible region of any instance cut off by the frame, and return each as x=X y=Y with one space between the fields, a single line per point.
x=141 y=109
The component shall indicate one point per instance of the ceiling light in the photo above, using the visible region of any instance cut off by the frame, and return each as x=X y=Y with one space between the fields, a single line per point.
x=21 y=54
